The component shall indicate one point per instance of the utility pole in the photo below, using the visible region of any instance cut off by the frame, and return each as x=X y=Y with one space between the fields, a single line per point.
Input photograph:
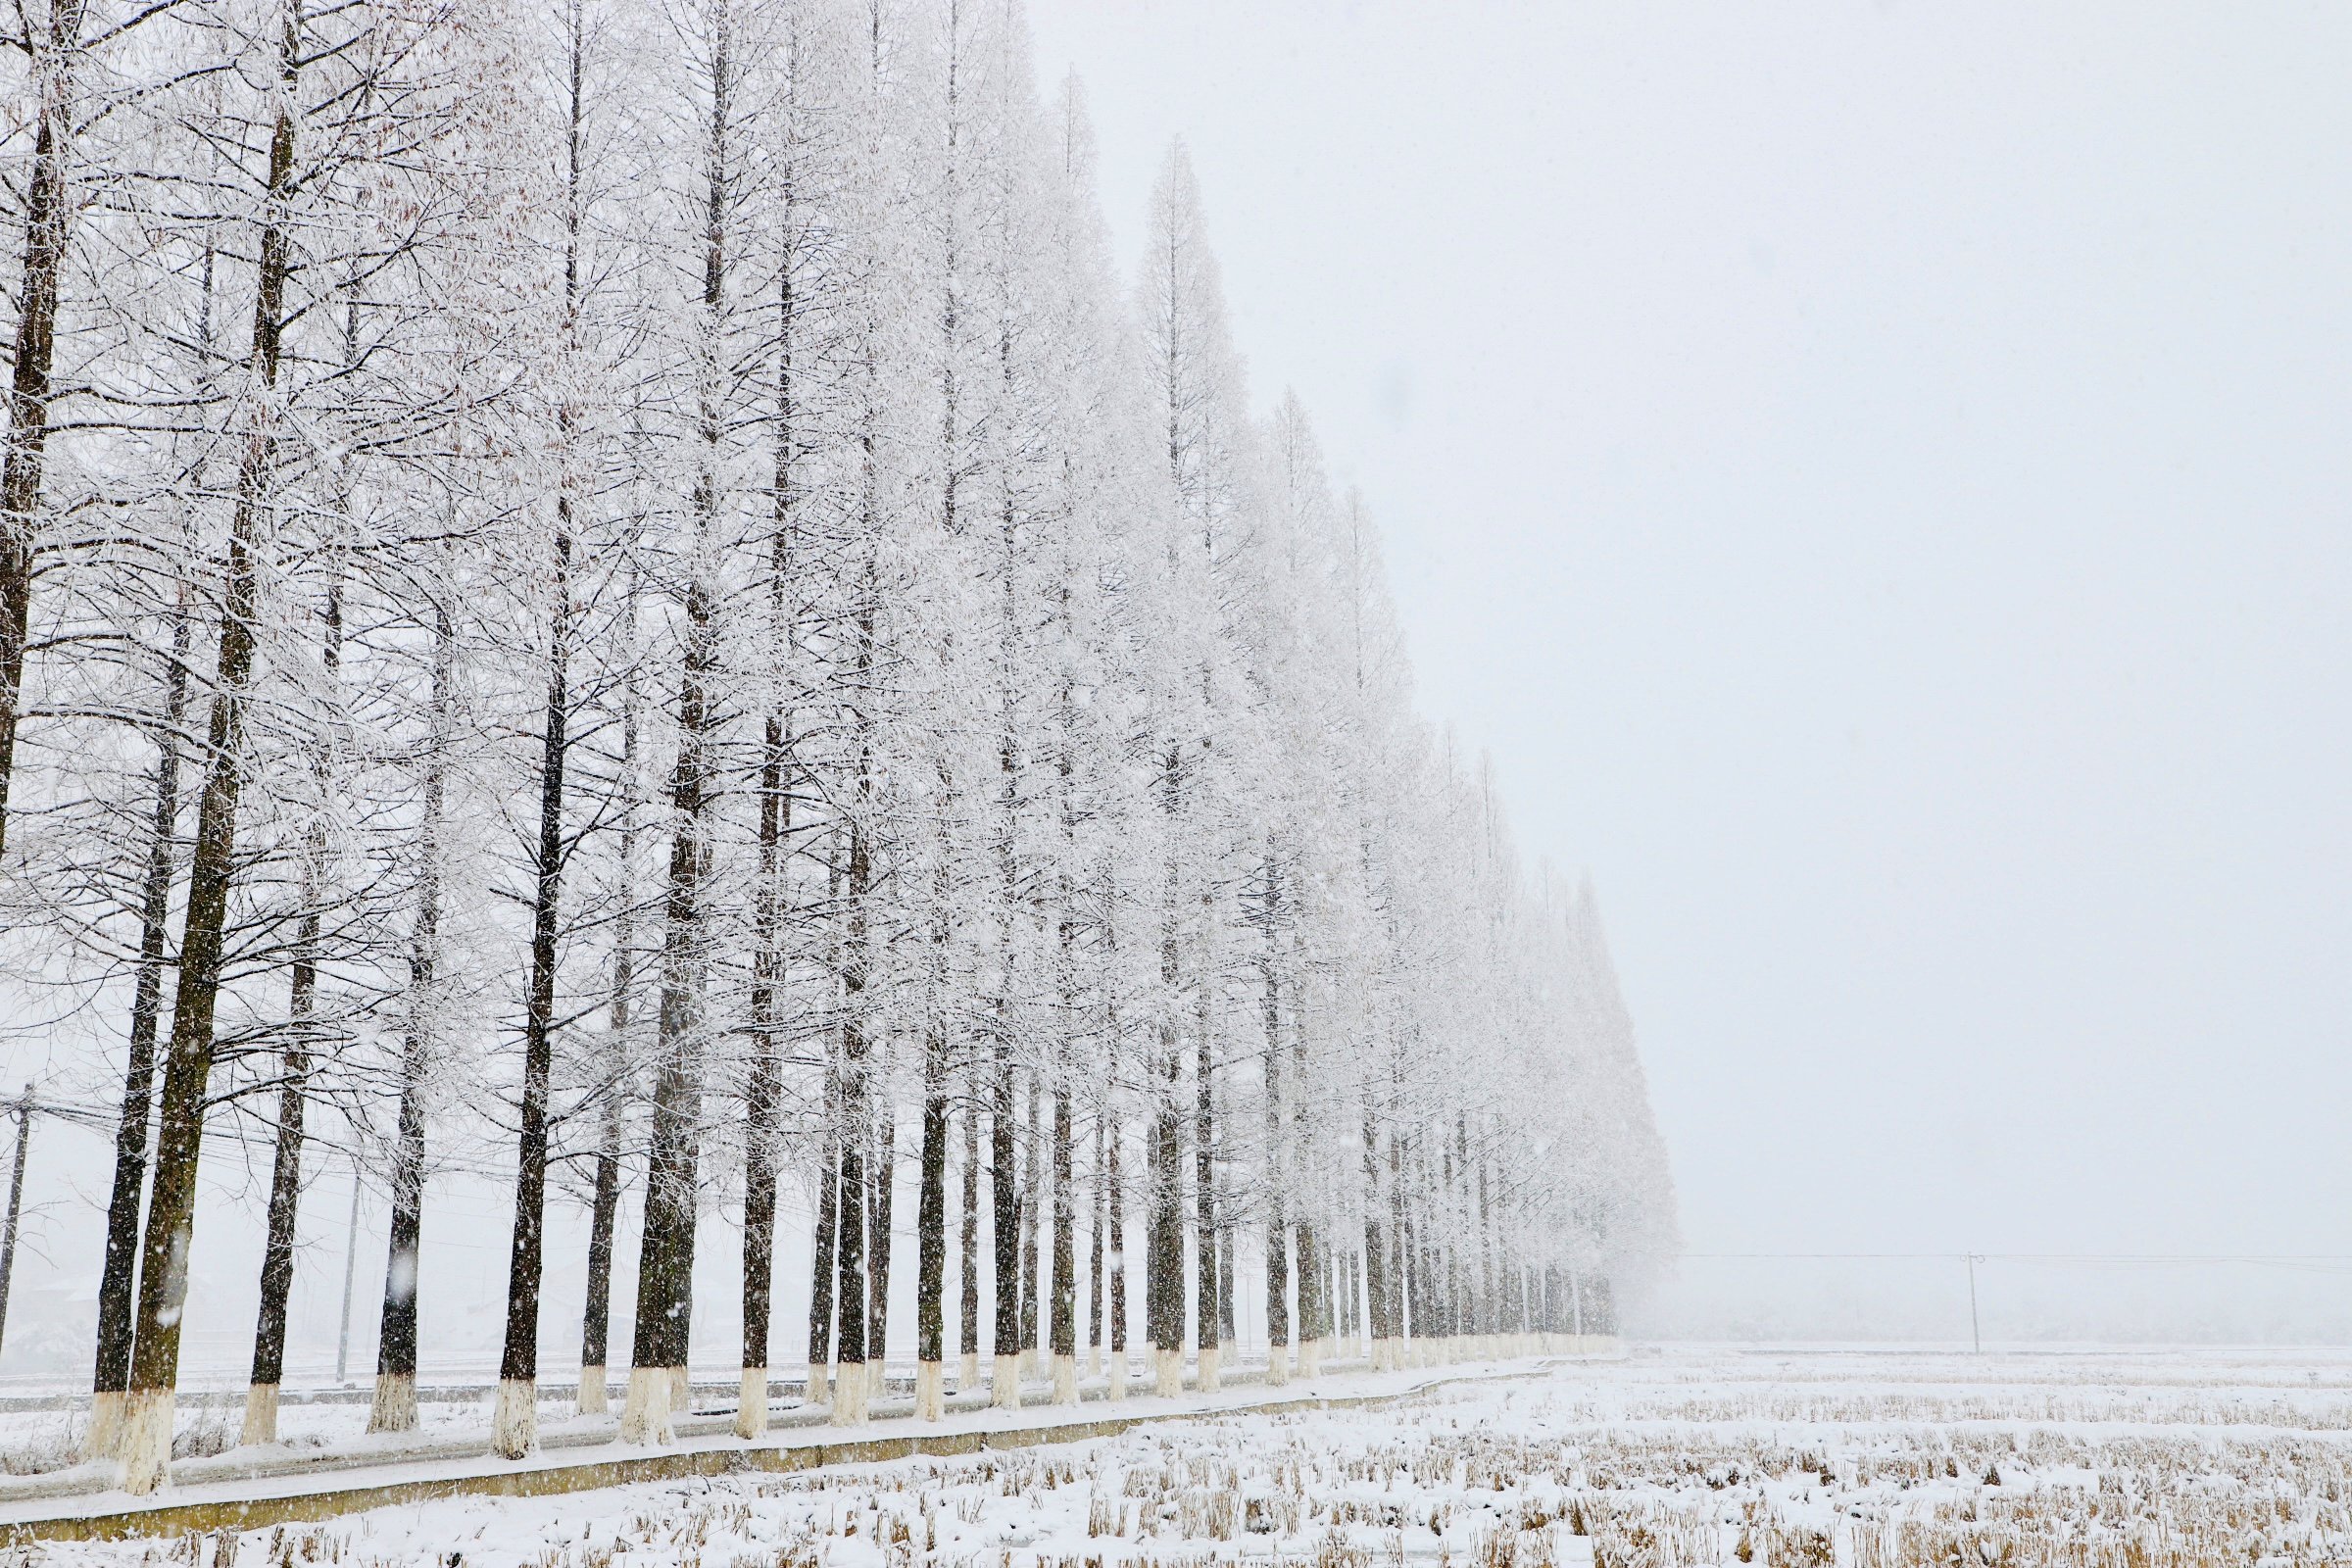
x=1976 y=1335
x=16 y=1203
x=351 y=1255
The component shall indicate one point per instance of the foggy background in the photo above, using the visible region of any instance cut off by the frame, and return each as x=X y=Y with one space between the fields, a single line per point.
x=1875 y=477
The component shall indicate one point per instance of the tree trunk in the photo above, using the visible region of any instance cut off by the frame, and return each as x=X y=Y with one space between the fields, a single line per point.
x=112 y=1376
x=1117 y=1277
x=595 y=1318
x=1278 y=1168
x=1095 y=1281
x=882 y=1182
x=1376 y=1286
x=763 y=1093
x=1065 y=1328
x=48 y=216
x=395 y=1407
x=211 y=865
x=1163 y=1286
x=285 y=1177
x=1206 y=1328
x=828 y=1231
x=764 y=1097
x=285 y=1189
x=1033 y=1181
x=514 y=1425
x=967 y=1302
x=931 y=1235
x=1003 y=1188
x=851 y=1388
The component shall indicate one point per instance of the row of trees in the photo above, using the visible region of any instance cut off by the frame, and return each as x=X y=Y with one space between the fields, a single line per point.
x=622 y=585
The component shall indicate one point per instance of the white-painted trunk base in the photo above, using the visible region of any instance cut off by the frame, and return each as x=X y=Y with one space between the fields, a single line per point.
x=1310 y=1358
x=260 y=1415
x=102 y=1439
x=750 y=1403
x=1093 y=1361
x=1168 y=1368
x=146 y=1441
x=1116 y=1373
x=515 y=1419
x=645 y=1409
x=852 y=1393
x=1278 y=1365
x=681 y=1392
x=967 y=1372
x=1005 y=1383
x=592 y=1391
x=1212 y=1364
x=814 y=1386
x=930 y=1389
x=1065 y=1380
x=395 y=1406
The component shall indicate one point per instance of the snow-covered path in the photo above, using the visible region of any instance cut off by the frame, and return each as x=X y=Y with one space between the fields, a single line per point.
x=294 y=1483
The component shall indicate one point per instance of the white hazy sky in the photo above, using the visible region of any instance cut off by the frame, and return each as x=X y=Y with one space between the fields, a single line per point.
x=1878 y=478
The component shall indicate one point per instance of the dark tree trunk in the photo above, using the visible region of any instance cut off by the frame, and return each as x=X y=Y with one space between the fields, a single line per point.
x=164 y=1244
x=1164 y=1283
x=1032 y=1174
x=967 y=1304
x=1402 y=1307
x=1278 y=1166
x=1004 y=1181
x=764 y=1092
x=1117 y=1278
x=931 y=1232
x=850 y=1387
x=1225 y=1250
x=882 y=1184
x=395 y=1407
x=659 y=1341
x=1206 y=1329
x=112 y=1376
x=1063 y=1344
x=1094 y=1255
x=278 y=1246
x=596 y=1319
x=285 y=1176
x=763 y=1099
x=48 y=216
x=514 y=1425
x=828 y=1231
x=1376 y=1274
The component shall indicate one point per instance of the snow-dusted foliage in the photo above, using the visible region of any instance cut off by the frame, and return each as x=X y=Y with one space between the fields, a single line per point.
x=622 y=589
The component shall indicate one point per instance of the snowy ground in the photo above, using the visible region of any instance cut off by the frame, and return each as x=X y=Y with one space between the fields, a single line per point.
x=1692 y=1456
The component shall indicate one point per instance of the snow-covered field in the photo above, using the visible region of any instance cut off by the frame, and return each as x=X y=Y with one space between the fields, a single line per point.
x=1689 y=1456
